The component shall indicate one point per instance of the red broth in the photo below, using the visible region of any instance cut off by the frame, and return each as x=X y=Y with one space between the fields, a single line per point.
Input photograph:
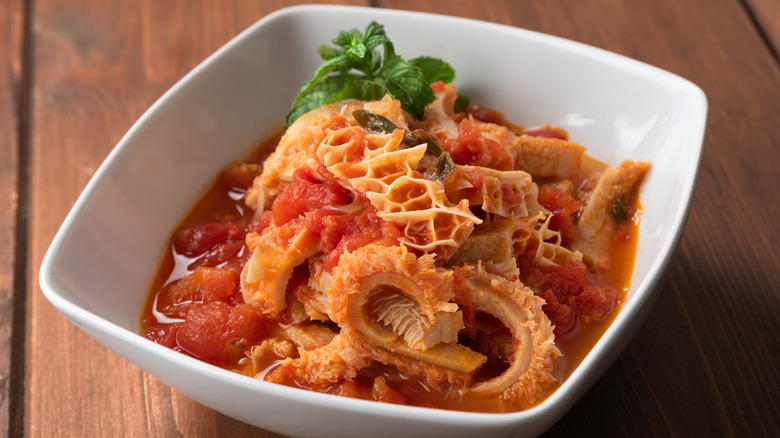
x=195 y=305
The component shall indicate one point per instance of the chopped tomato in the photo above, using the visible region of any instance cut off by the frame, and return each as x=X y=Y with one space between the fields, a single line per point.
x=261 y=223
x=596 y=302
x=330 y=225
x=568 y=286
x=564 y=208
x=485 y=114
x=382 y=392
x=560 y=314
x=229 y=255
x=511 y=196
x=354 y=232
x=218 y=333
x=203 y=285
x=437 y=86
x=198 y=239
x=240 y=176
x=304 y=195
x=471 y=148
x=163 y=334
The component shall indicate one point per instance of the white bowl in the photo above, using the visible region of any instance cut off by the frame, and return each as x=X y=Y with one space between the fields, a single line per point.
x=99 y=266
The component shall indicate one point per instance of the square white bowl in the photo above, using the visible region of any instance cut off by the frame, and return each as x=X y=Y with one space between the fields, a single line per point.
x=99 y=267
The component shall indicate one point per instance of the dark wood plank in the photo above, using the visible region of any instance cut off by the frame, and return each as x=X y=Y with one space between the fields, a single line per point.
x=705 y=361
x=98 y=66
x=766 y=13
x=11 y=88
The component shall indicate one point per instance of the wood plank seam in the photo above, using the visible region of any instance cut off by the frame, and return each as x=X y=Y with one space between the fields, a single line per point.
x=21 y=254
x=762 y=33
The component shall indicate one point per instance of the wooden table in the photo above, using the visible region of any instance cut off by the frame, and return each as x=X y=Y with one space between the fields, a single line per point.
x=78 y=73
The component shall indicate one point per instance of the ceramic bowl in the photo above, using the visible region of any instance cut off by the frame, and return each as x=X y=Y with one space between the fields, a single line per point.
x=99 y=267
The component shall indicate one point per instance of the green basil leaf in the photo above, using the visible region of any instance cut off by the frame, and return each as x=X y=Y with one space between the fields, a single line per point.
x=330 y=89
x=619 y=208
x=341 y=61
x=327 y=52
x=374 y=123
x=382 y=73
x=434 y=69
x=374 y=35
x=406 y=83
x=444 y=165
x=461 y=102
x=419 y=136
x=346 y=39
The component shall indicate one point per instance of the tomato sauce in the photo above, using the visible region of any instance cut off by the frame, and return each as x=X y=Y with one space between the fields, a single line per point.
x=195 y=305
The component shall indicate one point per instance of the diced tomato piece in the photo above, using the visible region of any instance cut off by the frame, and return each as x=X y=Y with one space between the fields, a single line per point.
x=365 y=228
x=303 y=195
x=596 y=302
x=382 y=392
x=572 y=277
x=223 y=254
x=198 y=239
x=163 y=334
x=471 y=148
x=485 y=114
x=564 y=208
x=511 y=196
x=560 y=314
x=203 y=285
x=330 y=225
x=240 y=176
x=261 y=223
x=437 y=86
x=568 y=292
x=219 y=333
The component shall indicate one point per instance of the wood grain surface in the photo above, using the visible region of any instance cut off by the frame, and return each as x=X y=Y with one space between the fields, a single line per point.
x=80 y=72
x=11 y=252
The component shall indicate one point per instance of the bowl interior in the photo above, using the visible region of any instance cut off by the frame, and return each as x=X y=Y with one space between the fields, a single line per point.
x=99 y=267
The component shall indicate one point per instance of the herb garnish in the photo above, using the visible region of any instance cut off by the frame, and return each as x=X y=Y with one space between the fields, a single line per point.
x=377 y=74
x=619 y=208
x=379 y=124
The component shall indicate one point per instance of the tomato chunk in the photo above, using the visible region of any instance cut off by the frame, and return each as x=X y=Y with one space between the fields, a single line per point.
x=163 y=334
x=471 y=148
x=485 y=114
x=198 y=239
x=203 y=285
x=568 y=293
x=219 y=333
x=304 y=195
x=354 y=232
x=564 y=208
x=382 y=392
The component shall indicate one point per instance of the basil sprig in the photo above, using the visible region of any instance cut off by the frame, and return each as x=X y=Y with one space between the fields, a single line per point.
x=356 y=69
